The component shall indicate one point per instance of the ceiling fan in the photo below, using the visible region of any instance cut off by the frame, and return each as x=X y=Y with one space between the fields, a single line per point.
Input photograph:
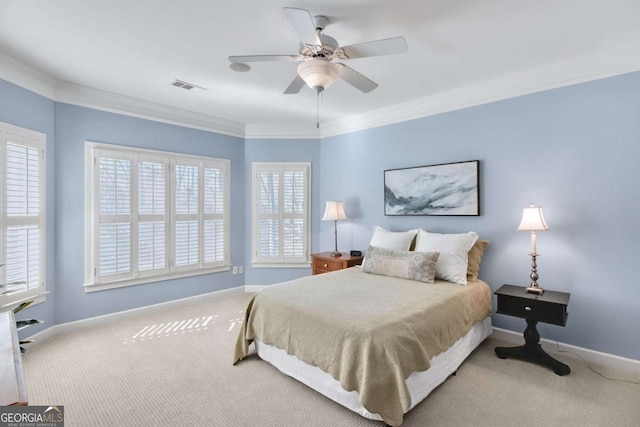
x=320 y=55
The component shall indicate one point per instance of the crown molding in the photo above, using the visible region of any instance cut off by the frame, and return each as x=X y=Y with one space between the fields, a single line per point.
x=580 y=69
x=280 y=132
x=617 y=60
x=82 y=96
x=26 y=77
x=42 y=84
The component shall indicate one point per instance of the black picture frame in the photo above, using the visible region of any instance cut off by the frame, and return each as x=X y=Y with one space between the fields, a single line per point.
x=446 y=189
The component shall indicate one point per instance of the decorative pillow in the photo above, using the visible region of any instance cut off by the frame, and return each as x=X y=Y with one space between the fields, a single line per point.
x=453 y=248
x=399 y=240
x=475 y=258
x=403 y=264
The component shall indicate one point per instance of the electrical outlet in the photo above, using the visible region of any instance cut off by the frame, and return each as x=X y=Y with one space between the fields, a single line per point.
x=235 y=269
x=241 y=269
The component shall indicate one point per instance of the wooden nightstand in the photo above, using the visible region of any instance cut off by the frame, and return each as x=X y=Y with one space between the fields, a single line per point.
x=323 y=262
x=550 y=307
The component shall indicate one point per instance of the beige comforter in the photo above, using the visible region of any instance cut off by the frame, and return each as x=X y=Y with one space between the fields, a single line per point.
x=369 y=332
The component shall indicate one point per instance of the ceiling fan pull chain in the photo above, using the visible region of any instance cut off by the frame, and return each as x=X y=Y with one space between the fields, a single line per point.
x=318 y=110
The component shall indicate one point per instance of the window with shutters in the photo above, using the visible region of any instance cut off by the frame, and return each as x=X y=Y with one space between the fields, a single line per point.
x=22 y=215
x=154 y=215
x=281 y=219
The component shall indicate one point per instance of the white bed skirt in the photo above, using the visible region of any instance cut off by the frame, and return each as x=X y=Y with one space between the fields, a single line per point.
x=420 y=384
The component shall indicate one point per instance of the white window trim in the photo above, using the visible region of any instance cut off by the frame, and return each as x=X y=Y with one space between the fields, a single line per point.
x=39 y=140
x=91 y=210
x=258 y=262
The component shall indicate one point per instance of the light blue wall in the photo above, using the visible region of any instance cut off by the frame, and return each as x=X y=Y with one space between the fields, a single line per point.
x=74 y=126
x=573 y=150
x=288 y=150
x=26 y=109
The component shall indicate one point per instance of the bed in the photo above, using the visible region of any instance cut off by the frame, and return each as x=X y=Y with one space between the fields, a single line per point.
x=376 y=344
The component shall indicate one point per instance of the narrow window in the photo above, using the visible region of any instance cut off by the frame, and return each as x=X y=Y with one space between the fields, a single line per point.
x=281 y=214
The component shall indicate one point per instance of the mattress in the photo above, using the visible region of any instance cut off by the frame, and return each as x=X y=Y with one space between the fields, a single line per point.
x=420 y=384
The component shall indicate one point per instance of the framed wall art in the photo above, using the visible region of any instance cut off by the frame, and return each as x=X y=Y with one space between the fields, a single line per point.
x=450 y=189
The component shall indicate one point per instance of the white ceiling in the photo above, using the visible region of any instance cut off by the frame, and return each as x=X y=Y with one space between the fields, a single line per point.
x=126 y=53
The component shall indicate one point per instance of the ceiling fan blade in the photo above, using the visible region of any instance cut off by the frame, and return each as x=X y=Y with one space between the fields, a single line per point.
x=295 y=86
x=357 y=80
x=262 y=58
x=376 y=48
x=303 y=23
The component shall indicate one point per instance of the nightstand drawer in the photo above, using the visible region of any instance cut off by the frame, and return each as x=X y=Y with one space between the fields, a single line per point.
x=526 y=308
x=327 y=265
x=323 y=262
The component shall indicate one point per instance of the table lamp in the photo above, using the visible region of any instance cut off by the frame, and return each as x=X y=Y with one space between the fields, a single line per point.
x=334 y=211
x=533 y=220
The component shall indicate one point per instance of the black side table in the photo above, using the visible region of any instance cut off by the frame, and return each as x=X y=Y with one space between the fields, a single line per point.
x=550 y=307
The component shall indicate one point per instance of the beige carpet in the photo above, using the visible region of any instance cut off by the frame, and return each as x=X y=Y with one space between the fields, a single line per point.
x=179 y=373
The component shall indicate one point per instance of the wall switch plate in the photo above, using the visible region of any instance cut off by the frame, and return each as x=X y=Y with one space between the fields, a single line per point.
x=235 y=269
x=241 y=269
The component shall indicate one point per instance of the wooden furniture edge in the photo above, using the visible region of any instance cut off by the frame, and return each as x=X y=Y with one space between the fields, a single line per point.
x=13 y=389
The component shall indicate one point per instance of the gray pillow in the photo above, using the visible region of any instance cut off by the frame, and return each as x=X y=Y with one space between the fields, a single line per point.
x=403 y=264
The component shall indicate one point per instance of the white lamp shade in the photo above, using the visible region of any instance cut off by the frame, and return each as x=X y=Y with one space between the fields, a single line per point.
x=532 y=219
x=319 y=74
x=333 y=211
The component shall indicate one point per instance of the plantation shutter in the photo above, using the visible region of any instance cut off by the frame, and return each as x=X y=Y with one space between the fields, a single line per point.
x=187 y=201
x=22 y=231
x=153 y=225
x=154 y=215
x=269 y=215
x=114 y=216
x=215 y=184
x=281 y=213
x=294 y=215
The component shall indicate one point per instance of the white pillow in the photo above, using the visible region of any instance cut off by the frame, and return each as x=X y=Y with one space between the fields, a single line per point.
x=454 y=249
x=398 y=240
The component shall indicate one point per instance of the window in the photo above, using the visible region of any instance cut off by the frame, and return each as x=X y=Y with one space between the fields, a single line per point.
x=154 y=215
x=281 y=224
x=22 y=215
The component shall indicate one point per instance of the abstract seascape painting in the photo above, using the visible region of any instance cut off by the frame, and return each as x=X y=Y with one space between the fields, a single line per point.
x=447 y=189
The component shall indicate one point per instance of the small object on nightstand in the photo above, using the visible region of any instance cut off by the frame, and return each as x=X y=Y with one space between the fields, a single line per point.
x=325 y=262
x=551 y=307
x=356 y=253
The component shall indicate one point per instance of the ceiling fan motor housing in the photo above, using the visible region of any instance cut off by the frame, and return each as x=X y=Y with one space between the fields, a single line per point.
x=326 y=50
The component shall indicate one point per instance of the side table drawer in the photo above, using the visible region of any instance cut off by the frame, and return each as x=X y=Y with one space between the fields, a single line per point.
x=327 y=265
x=541 y=311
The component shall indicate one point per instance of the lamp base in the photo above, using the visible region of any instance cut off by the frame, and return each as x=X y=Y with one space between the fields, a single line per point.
x=336 y=254
x=535 y=290
x=533 y=287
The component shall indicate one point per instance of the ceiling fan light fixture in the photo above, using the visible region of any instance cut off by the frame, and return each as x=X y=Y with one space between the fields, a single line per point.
x=319 y=74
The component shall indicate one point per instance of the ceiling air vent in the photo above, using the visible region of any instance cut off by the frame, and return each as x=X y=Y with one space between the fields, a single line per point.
x=188 y=86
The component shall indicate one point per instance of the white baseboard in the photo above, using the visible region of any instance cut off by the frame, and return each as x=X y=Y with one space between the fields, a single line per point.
x=253 y=288
x=125 y=314
x=608 y=364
